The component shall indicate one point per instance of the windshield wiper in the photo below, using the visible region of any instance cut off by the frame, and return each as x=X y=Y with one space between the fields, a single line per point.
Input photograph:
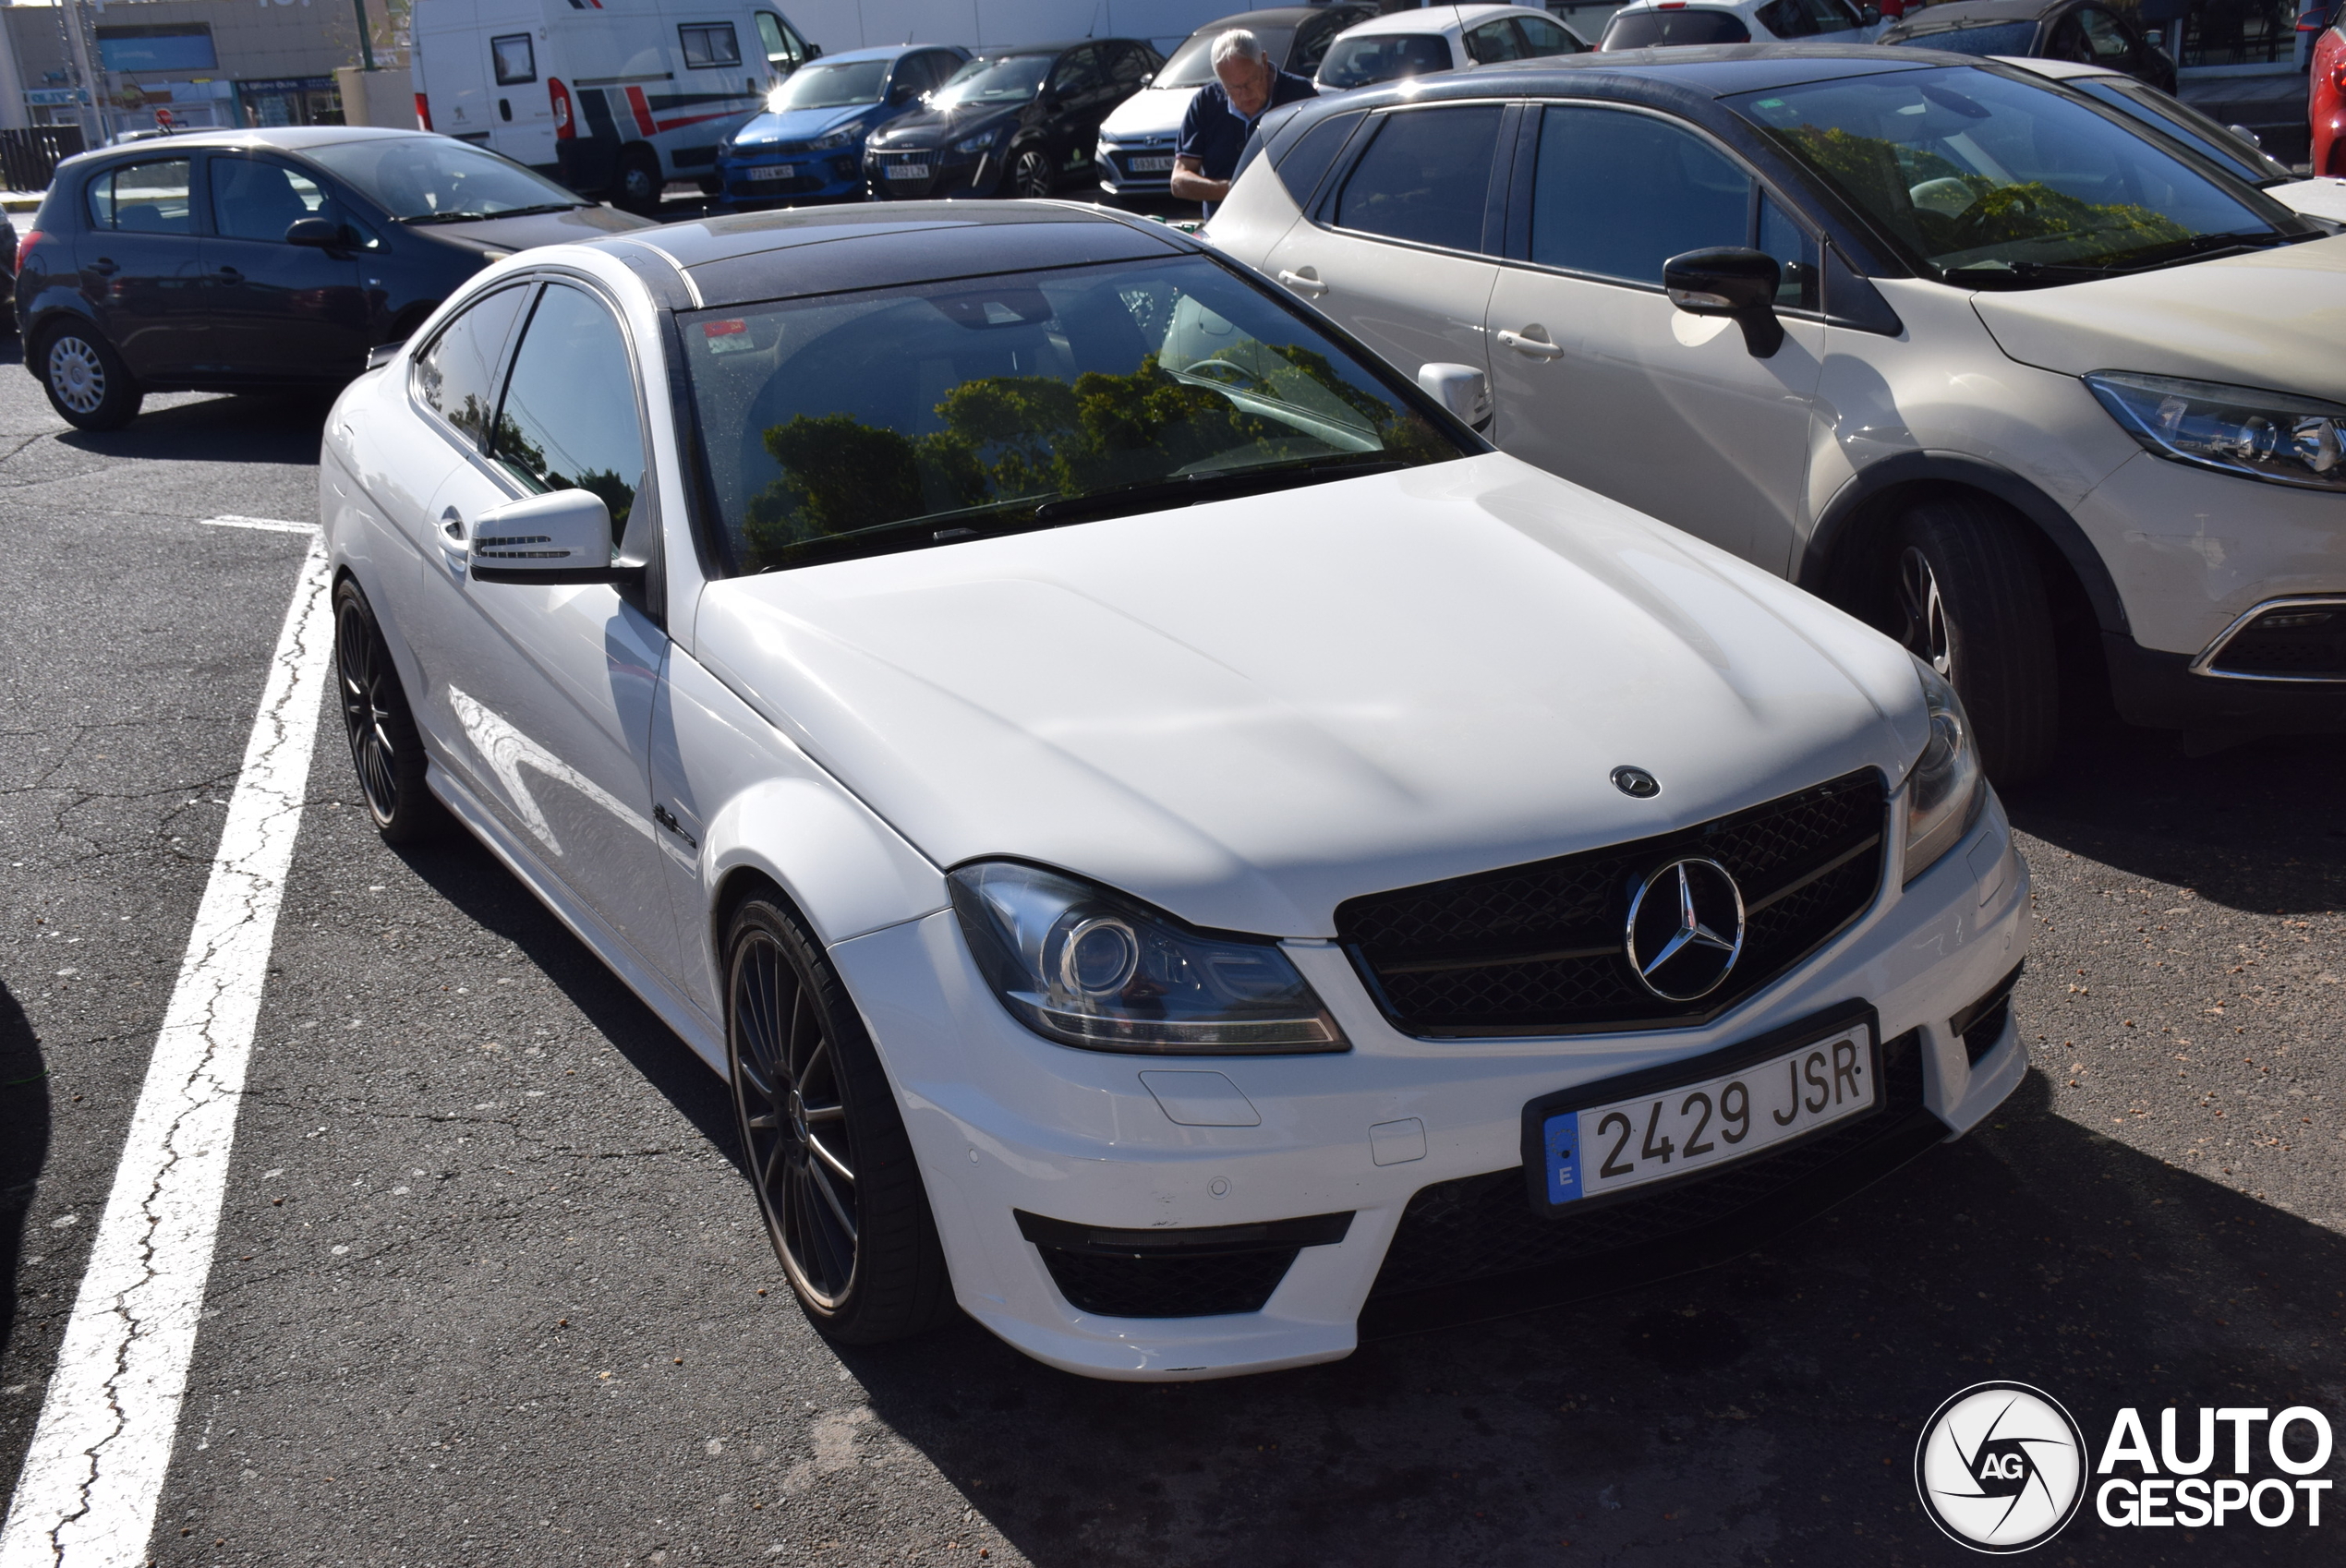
x=1189 y=489
x=2029 y=274
x=422 y=219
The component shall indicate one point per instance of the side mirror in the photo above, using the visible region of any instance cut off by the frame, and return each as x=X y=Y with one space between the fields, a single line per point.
x=322 y=233
x=2247 y=135
x=1867 y=16
x=1148 y=77
x=1734 y=282
x=562 y=536
x=814 y=50
x=1461 y=389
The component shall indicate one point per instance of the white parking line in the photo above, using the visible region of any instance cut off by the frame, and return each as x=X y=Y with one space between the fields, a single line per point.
x=266 y=524
x=86 y=1497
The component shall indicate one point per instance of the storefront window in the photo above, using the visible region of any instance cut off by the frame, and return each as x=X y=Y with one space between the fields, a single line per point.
x=300 y=101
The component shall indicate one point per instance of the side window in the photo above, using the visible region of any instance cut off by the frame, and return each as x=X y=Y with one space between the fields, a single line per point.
x=1542 y=37
x=569 y=415
x=2069 y=41
x=1311 y=44
x=1495 y=40
x=1303 y=163
x=455 y=376
x=782 y=50
x=1127 y=65
x=1618 y=193
x=1795 y=252
x=1806 y=19
x=515 y=59
x=2108 y=39
x=151 y=198
x=1425 y=177
x=252 y=199
x=1077 y=72
x=708 y=45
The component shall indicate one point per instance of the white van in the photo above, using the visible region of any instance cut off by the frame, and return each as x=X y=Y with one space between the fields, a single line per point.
x=613 y=97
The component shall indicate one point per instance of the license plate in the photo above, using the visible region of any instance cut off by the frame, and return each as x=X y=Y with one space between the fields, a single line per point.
x=1598 y=1142
x=908 y=171
x=774 y=171
x=1149 y=165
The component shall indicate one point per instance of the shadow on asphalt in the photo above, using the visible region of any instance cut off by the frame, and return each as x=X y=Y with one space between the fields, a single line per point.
x=277 y=428
x=2257 y=827
x=24 y=1142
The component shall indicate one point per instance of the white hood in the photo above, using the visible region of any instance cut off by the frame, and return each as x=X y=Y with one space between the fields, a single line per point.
x=1249 y=711
x=1153 y=111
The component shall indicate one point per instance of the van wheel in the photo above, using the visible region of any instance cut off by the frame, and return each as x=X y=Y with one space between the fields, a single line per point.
x=1031 y=174
x=639 y=181
x=87 y=383
x=1967 y=597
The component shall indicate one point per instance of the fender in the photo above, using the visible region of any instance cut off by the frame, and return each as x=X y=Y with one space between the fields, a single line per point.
x=1870 y=483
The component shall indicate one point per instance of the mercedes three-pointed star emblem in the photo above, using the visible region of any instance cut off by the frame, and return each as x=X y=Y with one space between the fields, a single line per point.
x=1685 y=930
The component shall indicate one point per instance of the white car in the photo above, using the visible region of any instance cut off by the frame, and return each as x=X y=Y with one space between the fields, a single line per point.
x=2235 y=147
x=2057 y=401
x=1441 y=38
x=1177 y=847
x=1138 y=139
x=1648 y=24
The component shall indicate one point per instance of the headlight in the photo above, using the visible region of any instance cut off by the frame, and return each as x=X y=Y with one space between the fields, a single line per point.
x=2265 y=435
x=1945 y=791
x=840 y=138
x=1083 y=966
x=977 y=144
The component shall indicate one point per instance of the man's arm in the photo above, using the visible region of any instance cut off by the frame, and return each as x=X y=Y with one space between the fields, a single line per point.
x=1190 y=183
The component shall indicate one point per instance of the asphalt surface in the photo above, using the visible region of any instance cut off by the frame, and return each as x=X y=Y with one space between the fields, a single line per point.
x=488 y=1287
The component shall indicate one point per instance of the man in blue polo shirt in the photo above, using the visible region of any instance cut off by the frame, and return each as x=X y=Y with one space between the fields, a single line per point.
x=1223 y=113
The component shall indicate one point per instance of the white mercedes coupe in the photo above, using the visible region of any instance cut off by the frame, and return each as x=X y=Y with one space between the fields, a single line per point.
x=1180 y=850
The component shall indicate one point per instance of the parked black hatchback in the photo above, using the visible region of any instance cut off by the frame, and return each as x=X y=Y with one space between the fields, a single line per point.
x=241 y=259
x=1011 y=122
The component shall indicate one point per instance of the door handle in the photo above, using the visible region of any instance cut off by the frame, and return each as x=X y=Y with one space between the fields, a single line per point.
x=104 y=267
x=229 y=275
x=1305 y=282
x=1522 y=342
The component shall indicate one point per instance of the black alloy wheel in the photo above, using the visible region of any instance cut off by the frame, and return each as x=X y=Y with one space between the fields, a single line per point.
x=88 y=384
x=1031 y=174
x=639 y=182
x=824 y=1144
x=1969 y=598
x=384 y=747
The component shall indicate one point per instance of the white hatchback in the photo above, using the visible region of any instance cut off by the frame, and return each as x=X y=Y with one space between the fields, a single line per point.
x=1402 y=44
x=1647 y=24
x=1176 y=846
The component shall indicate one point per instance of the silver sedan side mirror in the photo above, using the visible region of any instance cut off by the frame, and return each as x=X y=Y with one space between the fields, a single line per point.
x=562 y=536
x=1461 y=389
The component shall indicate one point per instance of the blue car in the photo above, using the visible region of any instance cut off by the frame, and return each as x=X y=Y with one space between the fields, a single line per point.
x=808 y=145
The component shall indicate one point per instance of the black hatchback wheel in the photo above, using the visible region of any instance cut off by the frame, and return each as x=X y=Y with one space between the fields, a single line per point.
x=384 y=747
x=826 y=1147
x=87 y=383
x=1031 y=174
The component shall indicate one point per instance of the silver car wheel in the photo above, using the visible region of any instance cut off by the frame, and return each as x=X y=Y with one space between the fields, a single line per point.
x=1926 y=616
x=77 y=375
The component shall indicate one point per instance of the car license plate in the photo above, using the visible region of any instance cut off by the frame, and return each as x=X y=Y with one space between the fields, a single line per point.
x=908 y=171
x=1150 y=165
x=1598 y=1142
x=775 y=172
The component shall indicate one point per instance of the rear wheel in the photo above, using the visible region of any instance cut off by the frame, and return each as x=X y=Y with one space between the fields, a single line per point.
x=639 y=181
x=1967 y=597
x=384 y=747
x=826 y=1149
x=1031 y=174
x=87 y=383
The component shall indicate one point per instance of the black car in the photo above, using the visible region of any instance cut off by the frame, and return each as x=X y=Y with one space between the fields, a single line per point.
x=2084 y=30
x=259 y=259
x=1012 y=122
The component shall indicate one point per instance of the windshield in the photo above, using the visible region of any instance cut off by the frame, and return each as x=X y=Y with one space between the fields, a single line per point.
x=831 y=85
x=2179 y=119
x=438 y=177
x=1012 y=78
x=1994 y=38
x=857 y=425
x=1988 y=181
x=1362 y=62
x=1655 y=29
x=1192 y=64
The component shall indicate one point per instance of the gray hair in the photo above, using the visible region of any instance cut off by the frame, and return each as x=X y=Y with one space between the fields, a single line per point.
x=1237 y=44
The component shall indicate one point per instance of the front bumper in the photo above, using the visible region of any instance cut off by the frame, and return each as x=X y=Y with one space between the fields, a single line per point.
x=836 y=176
x=950 y=174
x=1118 y=178
x=1007 y=1125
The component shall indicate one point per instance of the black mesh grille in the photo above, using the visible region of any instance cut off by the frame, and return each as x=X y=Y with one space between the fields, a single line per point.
x=2289 y=641
x=1485 y=1226
x=1535 y=950
x=1167 y=1288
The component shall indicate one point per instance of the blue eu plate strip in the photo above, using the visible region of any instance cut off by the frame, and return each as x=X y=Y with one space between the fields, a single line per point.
x=1562 y=1137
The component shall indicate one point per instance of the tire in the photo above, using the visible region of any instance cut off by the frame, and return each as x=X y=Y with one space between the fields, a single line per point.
x=88 y=384
x=1967 y=597
x=386 y=749
x=1031 y=174
x=639 y=182
x=827 y=1153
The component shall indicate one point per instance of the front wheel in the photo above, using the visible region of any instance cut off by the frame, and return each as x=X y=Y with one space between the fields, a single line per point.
x=87 y=383
x=827 y=1153
x=384 y=747
x=639 y=182
x=1969 y=598
x=1031 y=174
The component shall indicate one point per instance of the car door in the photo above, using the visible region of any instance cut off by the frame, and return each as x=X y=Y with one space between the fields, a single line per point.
x=548 y=688
x=141 y=267
x=1399 y=251
x=278 y=312
x=1598 y=377
x=1074 y=102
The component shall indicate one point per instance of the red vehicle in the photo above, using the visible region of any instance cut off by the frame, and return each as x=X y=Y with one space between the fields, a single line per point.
x=2327 y=93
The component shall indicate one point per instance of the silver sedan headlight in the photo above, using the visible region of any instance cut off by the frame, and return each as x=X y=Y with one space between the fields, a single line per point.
x=1945 y=790
x=1083 y=966
x=2277 y=437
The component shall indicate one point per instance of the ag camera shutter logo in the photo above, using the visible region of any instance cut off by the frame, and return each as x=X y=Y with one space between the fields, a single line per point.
x=2001 y=1467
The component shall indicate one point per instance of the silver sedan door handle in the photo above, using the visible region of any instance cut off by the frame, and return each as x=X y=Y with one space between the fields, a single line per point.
x=1523 y=343
x=1305 y=281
